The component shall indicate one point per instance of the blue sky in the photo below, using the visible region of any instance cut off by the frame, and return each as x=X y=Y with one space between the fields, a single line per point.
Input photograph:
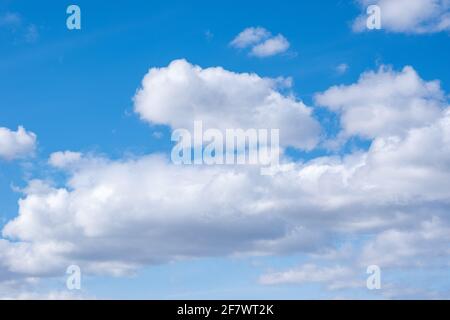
x=74 y=90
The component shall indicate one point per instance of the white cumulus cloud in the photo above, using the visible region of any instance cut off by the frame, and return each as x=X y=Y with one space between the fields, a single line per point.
x=175 y=212
x=114 y=216
x=182 y=93
x=16 y=144
x=271 y=47
x=250 y=36
x=409 y=16
x=385 y=102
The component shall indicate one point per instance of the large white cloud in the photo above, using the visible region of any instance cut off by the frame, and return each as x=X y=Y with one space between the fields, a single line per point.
x=170 y=211
x=16 y=144
x=385 y=102
x=113 y=216
x=409 y=16
x=404 y=174
x=182 y=93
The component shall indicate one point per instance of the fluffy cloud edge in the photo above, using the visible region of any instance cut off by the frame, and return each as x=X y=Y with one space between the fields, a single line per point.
x=16 y=144
x=408 y=16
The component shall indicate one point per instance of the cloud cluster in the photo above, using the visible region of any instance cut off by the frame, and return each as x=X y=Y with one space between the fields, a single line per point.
x=409 y=16
x=113 y=216
x=385 y=103
x=16 y=144
x=261 y=42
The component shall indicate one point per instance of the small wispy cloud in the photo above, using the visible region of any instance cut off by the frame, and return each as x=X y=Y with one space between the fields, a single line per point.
x=271 y=47
x=261 y=42
x=342 y=68
x=14 y=22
